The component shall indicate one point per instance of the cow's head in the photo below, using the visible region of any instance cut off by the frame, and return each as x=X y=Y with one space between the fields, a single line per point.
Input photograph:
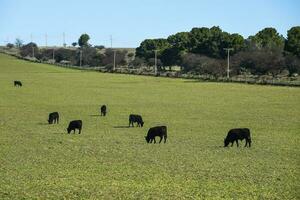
x=142 y=124
x=69 y=130
x=147 y=139
x=50 y=122
x=226 y=142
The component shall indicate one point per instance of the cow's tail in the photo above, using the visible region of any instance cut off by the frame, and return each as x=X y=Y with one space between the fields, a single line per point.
x=166 y=134
x=249 y=138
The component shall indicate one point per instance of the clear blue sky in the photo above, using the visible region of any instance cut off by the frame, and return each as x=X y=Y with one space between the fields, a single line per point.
x=132 y=21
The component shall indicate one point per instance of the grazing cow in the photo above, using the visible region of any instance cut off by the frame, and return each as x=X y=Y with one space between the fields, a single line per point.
x=53 y=118
x=103 y=110
x=17 y=83
x=136 y=118
x=76 y=124
x=238 y=134
x=160 y=131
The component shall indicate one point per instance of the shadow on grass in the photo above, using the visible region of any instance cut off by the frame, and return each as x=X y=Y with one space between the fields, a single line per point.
x=60 y=133
x=121 y=126
x=41 y=123
x=95 y=115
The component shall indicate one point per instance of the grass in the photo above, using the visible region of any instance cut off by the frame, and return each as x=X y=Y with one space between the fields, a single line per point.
x=109 y=161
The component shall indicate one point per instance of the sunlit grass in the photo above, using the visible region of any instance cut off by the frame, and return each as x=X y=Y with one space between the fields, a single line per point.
x=109 y=161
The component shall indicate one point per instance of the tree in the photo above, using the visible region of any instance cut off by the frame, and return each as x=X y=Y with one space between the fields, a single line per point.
x=18 y=43
x=211 y=42
x=180 y=41
x=66 y=55
x=203 y=65
x=292 y=63
x=268 y=38
x=138 y=62
x=9 y=45
x=147 y=47
x=99 y=47
x=83 y=40
x=293 y=41
x=30 y=49
x=90 y=57
x=171 y=56
x=74 y=44
x=108 y=57
x=259 y=61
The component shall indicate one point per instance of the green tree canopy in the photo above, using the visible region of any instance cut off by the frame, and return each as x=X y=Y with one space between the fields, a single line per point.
x=268 y=38
x=293 y=41
x=83 y=40
x=147 y=47
x=180 y=41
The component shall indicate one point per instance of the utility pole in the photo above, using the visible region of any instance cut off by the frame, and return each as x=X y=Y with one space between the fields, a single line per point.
x=31 y=38
x=114 y=60
x=53 y=55
x=80 y=59
x=155 y=62
x=228 y=51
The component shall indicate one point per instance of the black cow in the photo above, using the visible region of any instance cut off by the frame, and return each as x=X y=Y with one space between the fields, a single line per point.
x=238 y=134
x=160 y=131
x=76 y=124
x=17 y=83
x=53 y=118
x=136 y=119
x=103 y=110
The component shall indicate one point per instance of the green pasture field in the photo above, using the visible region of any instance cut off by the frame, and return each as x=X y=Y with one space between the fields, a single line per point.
x=111 y=161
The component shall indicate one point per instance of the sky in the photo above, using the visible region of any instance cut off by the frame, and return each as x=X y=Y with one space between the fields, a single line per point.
x=129 y=22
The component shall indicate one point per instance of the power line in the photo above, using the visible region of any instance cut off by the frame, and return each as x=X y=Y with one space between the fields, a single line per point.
x=114 y=60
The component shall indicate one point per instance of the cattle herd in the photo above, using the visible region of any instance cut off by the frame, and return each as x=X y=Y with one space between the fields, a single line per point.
x=159 y=131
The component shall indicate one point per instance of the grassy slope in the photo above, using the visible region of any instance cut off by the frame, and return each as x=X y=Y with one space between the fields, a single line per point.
x=107 y=161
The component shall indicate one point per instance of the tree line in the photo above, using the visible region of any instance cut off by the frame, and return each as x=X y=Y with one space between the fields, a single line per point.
x=82 y=53
x=199 y=51
x=202 y=51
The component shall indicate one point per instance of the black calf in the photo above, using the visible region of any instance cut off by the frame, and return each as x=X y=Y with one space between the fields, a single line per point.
x=136 y=119
x=160 y=131
x=76 y=124
x=238 y=134
x=103 y=110
x=18 y=83
x=53 y=118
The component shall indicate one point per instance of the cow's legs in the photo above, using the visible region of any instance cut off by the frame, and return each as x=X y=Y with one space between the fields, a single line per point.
x=79 y=131
x=232 y=143
x=246 y=143
x=74 y=131
x=165 y=138
x=160 y=139
x=154 y=140
x=237 y=143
